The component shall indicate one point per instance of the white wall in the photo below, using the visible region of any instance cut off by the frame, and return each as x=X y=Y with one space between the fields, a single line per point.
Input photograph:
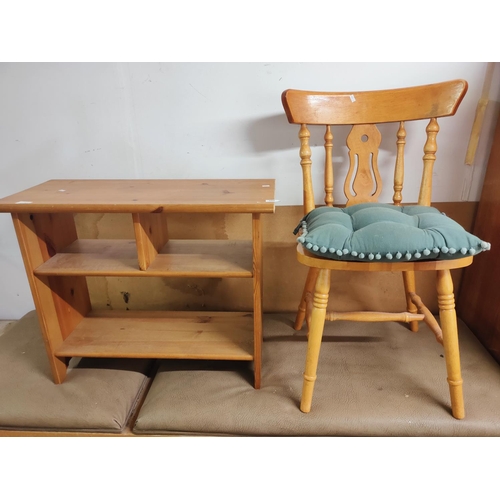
x=199 y=120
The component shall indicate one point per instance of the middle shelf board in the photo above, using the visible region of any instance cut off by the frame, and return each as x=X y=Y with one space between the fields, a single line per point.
x=178 y=258
x=162 y=334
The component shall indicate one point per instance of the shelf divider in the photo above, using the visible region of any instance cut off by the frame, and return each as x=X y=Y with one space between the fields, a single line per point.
x=151 y=235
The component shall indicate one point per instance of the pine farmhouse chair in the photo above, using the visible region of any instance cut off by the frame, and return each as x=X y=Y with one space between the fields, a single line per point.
x=371 y=236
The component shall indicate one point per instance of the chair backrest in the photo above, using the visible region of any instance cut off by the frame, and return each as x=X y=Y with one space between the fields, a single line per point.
x=364 y=110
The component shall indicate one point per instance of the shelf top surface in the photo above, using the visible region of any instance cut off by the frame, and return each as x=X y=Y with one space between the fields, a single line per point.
x=145 y=196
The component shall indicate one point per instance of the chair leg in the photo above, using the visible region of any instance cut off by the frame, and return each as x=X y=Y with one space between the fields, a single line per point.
x=308 y=288
x=409 y=282
x=448 y=317
x=320 y=302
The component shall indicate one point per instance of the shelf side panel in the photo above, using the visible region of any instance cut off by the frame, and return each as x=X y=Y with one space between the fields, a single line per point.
x=60 y=305
x=257 y=296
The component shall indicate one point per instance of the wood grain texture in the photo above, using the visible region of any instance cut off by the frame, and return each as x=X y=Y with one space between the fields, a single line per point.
x=328 y=167
x=363 y=183
x=155 y=334
x=373 y=316
x=399 y=169
x=429 y=318
x=480 y=112
x=312 y=260
x=60 y=305
x=410 y=287
x=448 y=317
x=58 y=265
x=257 y=297
x=144 y=196
x=479 y=294
x=430 y=148
x=305 y=163
x=42 y=294
x=312 y=276
x=315 y=335
x=181 y=258
x=151 y=234
x=54 y=231
x=378 y=106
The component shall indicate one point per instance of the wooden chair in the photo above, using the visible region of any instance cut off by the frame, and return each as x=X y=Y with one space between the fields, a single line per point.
x=363 y=111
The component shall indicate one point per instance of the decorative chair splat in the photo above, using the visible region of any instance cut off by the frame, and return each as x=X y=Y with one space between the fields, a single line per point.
x=363 y=183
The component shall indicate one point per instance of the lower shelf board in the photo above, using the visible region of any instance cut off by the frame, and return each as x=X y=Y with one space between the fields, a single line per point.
x=162 y=334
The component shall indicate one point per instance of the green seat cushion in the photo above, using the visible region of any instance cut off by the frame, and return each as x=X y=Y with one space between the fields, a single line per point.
x=385 y=233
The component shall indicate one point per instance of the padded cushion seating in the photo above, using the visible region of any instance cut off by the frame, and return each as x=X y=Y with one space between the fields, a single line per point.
x=370 y=384
x=98 y=395
x=383 y=232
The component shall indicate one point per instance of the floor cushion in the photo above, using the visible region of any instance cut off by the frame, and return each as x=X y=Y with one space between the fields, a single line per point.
x=98 y=395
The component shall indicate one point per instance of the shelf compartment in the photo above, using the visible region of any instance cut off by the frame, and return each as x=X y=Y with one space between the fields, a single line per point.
x=162 y=335
x=178 y=258
x=204 y=258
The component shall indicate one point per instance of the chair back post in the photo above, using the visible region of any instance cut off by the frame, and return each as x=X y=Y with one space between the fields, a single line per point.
x=430 y=149
x=399 y=170
x=306 y=162
x=328 y=167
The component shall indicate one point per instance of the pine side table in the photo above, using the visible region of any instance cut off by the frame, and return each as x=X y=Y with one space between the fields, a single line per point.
x=57 y=263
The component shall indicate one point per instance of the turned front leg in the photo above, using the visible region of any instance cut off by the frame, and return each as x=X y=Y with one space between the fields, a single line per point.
x=320 y=302
x=448 y=317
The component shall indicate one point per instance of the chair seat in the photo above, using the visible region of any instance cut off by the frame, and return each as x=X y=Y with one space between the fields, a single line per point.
x=386 y=233
x=311 y=260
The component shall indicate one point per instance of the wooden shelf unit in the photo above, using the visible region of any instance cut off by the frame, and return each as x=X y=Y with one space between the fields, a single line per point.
x=57 y=263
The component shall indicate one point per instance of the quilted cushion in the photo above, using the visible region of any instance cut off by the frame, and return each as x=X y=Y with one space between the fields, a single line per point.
x=383 y=232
